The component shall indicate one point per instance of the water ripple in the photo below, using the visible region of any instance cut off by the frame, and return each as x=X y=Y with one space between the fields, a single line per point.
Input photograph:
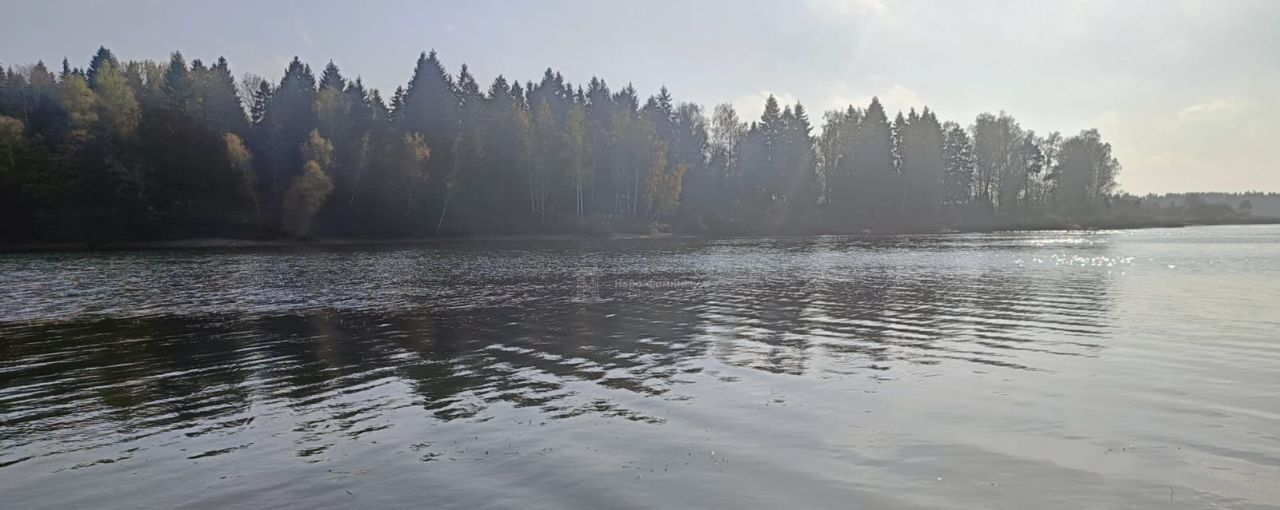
x=809 y=362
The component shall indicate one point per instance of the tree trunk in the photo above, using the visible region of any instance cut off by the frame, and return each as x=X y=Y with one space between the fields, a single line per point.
x=635 y=192
x=408 y=209
x=533 y=197
x=447 y=195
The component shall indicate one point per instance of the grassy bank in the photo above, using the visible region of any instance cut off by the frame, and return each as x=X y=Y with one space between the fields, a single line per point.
x=634 y=232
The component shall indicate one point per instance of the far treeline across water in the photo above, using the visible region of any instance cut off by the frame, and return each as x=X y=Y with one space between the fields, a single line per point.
x=143 y=150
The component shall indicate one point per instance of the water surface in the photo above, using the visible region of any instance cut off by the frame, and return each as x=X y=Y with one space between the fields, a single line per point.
x=1135 y=369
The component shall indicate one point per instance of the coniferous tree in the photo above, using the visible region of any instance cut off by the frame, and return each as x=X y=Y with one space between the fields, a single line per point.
x=897 y=131
x=289 y=118
x=799 y=166
x=430 y=108
x=145 y=149
x=871 y=165
x=762 y=175
x=101 y=59
x=756 y=196
x=221 y=108
x=923 y=167
x=258 y=108
x=178 y=91
x=331 y=78
x=958 y=181
x=467 y=145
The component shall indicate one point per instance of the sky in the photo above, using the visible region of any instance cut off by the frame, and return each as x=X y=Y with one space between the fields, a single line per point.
x=1187 y=92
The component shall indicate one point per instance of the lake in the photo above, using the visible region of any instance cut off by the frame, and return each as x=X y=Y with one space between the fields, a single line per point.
x=1118 y=369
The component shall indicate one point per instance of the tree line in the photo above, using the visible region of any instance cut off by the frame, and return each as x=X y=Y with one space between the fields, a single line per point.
x=1255 y=203
x=160 y=150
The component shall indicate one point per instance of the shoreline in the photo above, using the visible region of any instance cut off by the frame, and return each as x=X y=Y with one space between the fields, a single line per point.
x=251 y=244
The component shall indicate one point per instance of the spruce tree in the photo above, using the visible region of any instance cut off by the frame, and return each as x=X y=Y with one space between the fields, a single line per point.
x=331 y=78
x=178 y=91
x=221 y=106
x=871 y=172
x=289 y=118
x=102 y=58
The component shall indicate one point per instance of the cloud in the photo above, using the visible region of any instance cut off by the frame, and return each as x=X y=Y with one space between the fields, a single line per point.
x=1217 y=108
x=896 y=98
x=900 y=98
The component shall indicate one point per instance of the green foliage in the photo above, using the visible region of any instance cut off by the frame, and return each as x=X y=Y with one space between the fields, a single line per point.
x=1085 y=173
x=176 y=86
x=304 y=198
x=144 y=149
x=923 y=167
x=11 y=142
x=79 y=103
x=117 y=105
x=957 y=182
x=242 y=161
x=317 y=150
x=286 y=125
x=414 y=157
x=101 y=60
x=220 y=104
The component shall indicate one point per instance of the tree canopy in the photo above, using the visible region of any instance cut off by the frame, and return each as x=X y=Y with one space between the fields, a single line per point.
x=134 y=150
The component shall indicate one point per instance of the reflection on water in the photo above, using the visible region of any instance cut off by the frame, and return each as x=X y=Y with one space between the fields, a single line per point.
x=1002 y=370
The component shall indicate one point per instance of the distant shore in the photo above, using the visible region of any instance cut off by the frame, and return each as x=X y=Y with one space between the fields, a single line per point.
x=216 y=243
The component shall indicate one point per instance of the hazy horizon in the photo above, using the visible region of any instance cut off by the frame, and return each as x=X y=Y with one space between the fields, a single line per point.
x=1182 y=90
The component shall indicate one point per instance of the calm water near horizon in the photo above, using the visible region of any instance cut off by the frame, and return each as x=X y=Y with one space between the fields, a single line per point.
x=1125 y=369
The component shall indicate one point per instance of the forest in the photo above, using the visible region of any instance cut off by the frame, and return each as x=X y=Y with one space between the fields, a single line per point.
x=144 y=150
